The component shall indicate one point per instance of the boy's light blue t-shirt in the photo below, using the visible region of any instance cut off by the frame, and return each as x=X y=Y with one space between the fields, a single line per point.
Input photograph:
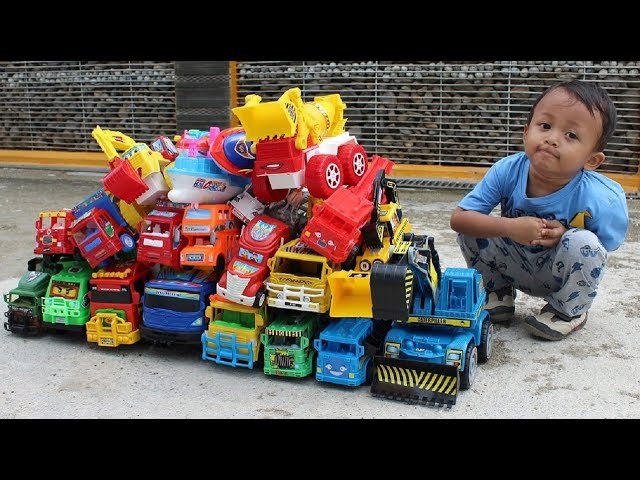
x=590 y=200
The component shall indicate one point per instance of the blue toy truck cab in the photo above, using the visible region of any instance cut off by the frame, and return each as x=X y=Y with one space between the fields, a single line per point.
x=343 y=358
x=174 y=306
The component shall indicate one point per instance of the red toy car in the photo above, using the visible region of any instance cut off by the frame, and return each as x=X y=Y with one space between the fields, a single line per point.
x=243 y=282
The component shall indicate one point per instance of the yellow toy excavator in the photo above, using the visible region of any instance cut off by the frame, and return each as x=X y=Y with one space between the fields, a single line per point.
x=136 y=173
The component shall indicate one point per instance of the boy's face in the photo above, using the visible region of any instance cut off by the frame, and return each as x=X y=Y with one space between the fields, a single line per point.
x=561 y=138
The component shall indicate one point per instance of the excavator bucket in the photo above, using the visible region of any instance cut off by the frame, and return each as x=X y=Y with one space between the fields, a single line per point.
x=268 y=120
x=412 y=381
x=391 y=290
x=124 y=182
x=350 y=294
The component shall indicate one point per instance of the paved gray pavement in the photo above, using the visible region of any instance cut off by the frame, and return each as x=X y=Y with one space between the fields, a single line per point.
x=592 y=374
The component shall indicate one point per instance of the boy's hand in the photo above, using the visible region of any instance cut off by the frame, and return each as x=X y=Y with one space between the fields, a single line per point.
x=527 y=230
x=551 y=233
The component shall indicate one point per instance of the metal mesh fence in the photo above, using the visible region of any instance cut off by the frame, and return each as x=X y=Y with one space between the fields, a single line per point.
x=449 y=114
x=55 y=105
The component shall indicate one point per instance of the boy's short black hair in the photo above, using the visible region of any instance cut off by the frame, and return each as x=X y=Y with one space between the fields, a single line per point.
x=592 y=96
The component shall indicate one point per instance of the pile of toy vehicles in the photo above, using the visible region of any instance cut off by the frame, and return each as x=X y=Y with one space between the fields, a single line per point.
x=276 y=244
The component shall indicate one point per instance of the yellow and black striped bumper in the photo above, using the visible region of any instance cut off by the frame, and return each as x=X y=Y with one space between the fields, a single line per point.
x=415 y=382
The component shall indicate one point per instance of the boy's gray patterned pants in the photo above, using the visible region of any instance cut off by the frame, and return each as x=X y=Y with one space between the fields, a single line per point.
x=566 y=276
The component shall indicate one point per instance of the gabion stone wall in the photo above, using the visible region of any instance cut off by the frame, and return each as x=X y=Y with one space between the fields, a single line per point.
x=55 y=105
x=443 y=113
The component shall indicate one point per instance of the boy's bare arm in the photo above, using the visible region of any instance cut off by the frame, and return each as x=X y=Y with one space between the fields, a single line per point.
x=525 y=230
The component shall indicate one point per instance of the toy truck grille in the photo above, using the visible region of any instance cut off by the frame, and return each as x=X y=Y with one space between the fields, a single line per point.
x=283 y=360
x=60 y=308
x=109 y=329
x=298 y=298
x=236 y=285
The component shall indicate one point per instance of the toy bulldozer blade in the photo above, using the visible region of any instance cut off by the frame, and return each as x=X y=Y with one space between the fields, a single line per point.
x=411 y=381
x=267 y=120
x=350 y=294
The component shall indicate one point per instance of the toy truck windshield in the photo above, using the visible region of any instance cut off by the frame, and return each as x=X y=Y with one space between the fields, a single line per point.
x=250 y=255
x=171 y=300
x=62 y=289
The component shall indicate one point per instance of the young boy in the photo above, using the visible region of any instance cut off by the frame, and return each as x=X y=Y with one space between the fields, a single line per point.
x=558 y=219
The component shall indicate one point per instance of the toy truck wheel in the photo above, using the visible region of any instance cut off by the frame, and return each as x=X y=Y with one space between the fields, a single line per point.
x=128 y=243
x=77 y=255
x=220 y=263
x=468 y=375
x=258 y=362
x=324 y=175
x=259 y=300
x=350 y=262
x=486 y=341
x=354 y=162
x=263 y=191
x=369 y=372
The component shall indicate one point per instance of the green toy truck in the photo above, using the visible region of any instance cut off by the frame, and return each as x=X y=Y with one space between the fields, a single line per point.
x=66 y=303
x=288 y=344
x=24 y=313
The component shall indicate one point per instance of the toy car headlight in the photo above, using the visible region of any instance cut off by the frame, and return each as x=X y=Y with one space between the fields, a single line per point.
x=455 y=356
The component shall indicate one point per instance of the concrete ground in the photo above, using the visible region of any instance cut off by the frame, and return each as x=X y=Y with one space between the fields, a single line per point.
x=591 y=374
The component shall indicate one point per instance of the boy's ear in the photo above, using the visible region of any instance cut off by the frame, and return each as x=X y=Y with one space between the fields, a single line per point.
x=594 y=161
